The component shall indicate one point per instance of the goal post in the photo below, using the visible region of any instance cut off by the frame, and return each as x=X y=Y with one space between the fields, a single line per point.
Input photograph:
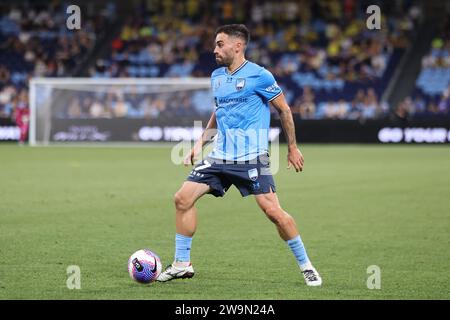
x=64 y=110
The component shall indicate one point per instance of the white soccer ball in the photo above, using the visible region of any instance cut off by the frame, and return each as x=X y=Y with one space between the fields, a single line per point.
x=144 y=266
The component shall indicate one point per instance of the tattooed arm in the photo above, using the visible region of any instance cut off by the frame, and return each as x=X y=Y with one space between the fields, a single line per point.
x=295 y=157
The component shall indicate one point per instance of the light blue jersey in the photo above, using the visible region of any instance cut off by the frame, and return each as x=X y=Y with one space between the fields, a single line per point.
x=242 y=111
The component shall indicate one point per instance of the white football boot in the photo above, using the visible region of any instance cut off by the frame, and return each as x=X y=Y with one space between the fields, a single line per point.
x=312 y=277
x=176 y=272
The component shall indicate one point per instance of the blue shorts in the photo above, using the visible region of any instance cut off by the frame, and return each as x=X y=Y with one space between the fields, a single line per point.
x=250 y=177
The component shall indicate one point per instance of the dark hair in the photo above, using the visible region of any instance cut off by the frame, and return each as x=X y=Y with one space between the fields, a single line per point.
x=235 y=30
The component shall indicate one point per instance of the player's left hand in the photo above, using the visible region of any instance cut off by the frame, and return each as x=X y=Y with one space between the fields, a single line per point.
x=295 y=159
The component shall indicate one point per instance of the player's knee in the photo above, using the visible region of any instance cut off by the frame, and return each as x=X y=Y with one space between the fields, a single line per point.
x=285 y=221
x=273 y=213
x=182 y=202
x=279 y=217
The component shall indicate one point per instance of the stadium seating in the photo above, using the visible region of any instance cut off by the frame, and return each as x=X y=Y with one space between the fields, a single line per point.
x=431 y=96
x=336 y=57
x=324 y=46
x=35 y=42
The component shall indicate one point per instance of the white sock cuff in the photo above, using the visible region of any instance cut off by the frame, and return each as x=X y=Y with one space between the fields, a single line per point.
x=305 y=266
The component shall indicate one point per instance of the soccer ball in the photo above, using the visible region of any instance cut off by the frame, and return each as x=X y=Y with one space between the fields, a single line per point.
x=144 y=266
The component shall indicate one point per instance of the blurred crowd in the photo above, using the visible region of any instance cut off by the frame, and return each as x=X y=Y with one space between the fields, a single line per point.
x=35 y=42
x=431 y=97
x=116 y=102
x=421 y=106
x=365 y=105
x=323 y=46
x=328 y=63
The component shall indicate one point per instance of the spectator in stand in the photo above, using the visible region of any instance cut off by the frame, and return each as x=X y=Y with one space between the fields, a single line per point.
x=74 y=109
x=432 y=110
x=444 y=103
x=305 y=105
x=4 y=75
x=419 y=105
x=149 y=109
x=359 y=100
x=342 y=108
x=7 y=96
x=120 y=106
x=370 y=105
x=354 y=112
x=401 y=112
x=97 y=110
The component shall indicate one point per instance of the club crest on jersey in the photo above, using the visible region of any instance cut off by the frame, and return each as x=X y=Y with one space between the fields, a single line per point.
x=216 y=84
x=253 y=174
x=240 y=83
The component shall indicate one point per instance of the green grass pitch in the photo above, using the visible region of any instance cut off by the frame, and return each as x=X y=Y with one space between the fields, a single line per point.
x=355 y=206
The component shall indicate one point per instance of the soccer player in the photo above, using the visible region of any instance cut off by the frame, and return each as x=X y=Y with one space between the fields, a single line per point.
x=22 y=117
x=242 y=92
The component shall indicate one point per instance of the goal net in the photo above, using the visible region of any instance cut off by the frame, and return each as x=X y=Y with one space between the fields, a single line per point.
x=67 y=110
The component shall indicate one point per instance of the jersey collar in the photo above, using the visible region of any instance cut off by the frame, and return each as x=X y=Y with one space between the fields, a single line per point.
x=238 y=68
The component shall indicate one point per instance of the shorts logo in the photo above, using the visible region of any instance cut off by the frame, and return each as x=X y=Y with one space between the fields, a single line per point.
x=253 y=174
x=240 y=83
x=255 y=186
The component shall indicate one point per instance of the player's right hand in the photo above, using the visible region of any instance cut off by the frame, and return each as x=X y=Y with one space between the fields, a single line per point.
x=189 y=159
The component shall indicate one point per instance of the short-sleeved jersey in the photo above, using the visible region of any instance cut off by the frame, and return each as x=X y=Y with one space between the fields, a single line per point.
x=242 y=111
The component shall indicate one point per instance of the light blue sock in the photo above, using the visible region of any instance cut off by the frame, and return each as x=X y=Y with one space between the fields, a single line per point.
x=298 y=250
x=182 y=248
